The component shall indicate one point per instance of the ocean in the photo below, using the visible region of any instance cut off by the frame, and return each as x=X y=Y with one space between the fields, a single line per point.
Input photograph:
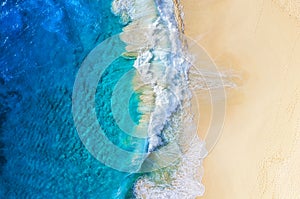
x=44 y=45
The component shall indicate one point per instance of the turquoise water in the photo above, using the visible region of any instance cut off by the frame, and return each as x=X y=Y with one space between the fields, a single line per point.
x=107 y=83
x=42 y=45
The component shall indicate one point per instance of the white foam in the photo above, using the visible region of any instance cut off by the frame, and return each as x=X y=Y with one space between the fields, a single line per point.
x=184 y=183
x=123 y=8
x=161 y=66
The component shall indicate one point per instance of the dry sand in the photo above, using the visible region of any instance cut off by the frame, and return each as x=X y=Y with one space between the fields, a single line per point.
x=258 y=154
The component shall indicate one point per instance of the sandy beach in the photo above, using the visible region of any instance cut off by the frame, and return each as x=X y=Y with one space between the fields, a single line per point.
x=257 y=155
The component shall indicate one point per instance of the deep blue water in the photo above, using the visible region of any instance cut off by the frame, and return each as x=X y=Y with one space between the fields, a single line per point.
x=42 y=44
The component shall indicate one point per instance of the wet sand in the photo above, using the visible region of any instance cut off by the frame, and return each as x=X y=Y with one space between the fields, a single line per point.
x=257 y=155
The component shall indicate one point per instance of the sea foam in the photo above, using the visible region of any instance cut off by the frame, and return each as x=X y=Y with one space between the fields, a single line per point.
x=153 y=35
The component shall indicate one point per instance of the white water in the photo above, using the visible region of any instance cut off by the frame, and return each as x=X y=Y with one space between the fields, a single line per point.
x=185 y=181
x=153 y=34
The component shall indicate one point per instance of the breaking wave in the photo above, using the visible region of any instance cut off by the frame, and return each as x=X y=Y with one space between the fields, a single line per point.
x=154 y=38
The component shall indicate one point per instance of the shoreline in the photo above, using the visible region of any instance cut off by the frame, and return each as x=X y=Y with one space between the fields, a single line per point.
x=165 y=73
x=179 y=15
x=256 y=156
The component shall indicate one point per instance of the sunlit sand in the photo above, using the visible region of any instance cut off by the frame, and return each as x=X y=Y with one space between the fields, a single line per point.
x=257 y=155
